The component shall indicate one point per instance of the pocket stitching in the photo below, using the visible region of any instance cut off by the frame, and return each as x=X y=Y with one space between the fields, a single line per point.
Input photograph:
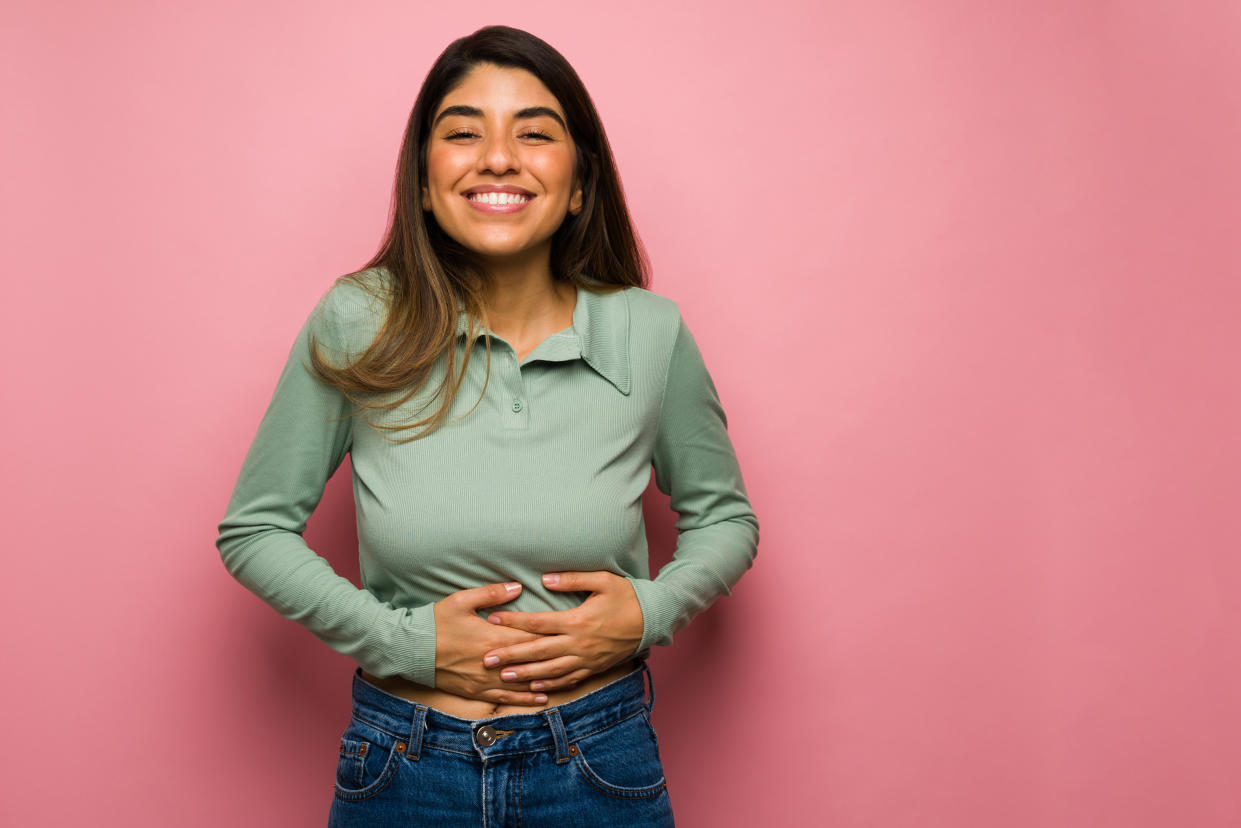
x=589 y=774
x=615 y=790
x=381 y=782
x=353 y=751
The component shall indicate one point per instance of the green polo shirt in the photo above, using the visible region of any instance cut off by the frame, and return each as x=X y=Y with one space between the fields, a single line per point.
x=544 y=473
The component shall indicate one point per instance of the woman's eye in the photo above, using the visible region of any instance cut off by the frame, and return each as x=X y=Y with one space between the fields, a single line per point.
x=465 y=133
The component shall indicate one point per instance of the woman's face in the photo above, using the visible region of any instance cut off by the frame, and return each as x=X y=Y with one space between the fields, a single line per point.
x=500 y=136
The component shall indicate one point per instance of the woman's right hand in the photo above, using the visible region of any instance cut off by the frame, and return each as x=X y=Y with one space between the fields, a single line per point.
x=462 y=638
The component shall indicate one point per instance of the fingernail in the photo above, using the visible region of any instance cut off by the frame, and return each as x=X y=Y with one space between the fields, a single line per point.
x=541 y=699
x=512 y=586
x=494 y=619
x=551 y=579
x=491 y=661
x=508 y=675
x=537 y=685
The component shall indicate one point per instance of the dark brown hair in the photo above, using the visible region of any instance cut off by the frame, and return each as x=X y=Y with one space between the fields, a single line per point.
x=429 y=273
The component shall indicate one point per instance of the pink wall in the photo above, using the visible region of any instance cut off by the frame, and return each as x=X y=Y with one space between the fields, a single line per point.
x=966 y=274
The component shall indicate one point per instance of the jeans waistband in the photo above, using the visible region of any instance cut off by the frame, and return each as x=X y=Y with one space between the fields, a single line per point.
x=554 y=728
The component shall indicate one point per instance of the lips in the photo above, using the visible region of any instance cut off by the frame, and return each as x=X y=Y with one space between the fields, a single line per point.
x=498 y=198
x=497 y=188
x=495 y=203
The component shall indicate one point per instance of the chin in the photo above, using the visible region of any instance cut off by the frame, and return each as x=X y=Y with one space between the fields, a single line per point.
x=498 y=251
x=503 y=248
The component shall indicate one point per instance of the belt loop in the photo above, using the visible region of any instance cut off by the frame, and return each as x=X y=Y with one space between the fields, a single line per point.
x=558 y=735
x=646 y=671
x=416 y=731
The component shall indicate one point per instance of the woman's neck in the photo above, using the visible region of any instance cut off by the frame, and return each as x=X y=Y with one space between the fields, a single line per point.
x=519 y=311
x=522 y=298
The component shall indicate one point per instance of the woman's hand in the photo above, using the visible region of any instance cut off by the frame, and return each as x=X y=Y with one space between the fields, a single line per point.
x=461 y=639
x=572 y=644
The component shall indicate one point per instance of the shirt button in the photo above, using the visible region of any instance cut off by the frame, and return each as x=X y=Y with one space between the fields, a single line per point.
x=516 y=405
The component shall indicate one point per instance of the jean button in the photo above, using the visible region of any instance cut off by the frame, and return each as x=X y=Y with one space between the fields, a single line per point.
x=486 y=735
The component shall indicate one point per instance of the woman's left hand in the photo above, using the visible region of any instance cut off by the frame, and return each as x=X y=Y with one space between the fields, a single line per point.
x=577 y=643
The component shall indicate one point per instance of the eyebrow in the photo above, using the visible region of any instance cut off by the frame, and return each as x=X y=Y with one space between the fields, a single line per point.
x=475 y=112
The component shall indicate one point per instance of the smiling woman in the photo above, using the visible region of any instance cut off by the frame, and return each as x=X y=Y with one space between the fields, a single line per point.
x=509 y=298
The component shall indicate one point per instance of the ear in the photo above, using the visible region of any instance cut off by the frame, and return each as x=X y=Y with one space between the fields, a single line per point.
x=575 y=201
x=426 y=199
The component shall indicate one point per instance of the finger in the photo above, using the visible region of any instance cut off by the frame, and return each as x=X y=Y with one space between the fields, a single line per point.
x=551 y=621
x=565 y=682
x=486 y=596
x=515 y=697
x=496 y=637
x=540 y=649
x=597 y=581
x=552 y=668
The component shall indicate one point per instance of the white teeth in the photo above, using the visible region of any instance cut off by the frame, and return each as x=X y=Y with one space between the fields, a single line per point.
x=498 y=198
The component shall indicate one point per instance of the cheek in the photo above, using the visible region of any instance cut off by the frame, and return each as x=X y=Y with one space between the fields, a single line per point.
x=558 y=176
x=443 y=170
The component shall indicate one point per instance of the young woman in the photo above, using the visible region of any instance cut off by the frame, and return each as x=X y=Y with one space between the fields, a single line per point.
x=503 y=381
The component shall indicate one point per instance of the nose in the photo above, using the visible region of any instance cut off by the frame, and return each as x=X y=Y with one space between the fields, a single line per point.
x=498 y=154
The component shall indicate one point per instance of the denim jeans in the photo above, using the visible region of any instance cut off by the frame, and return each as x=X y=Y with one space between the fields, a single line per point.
x=593 y=761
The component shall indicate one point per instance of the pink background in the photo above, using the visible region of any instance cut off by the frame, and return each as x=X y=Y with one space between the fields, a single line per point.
x=966 y=275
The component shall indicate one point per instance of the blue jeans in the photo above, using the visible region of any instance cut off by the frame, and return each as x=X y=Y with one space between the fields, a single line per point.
x=593 y=761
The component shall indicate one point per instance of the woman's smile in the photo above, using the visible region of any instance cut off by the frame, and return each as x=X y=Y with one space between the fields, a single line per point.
x=498 y=200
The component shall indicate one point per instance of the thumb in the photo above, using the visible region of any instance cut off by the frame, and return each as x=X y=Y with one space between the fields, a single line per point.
x=486 y=596
x=598 y=581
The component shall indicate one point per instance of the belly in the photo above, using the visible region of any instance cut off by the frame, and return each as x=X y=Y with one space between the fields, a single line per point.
x=466 y=708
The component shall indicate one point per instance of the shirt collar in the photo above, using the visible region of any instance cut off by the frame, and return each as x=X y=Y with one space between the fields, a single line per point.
x=601 y=322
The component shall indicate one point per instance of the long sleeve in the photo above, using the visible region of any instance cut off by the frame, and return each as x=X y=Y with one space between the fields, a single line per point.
x=301 y=441
x=695 y=464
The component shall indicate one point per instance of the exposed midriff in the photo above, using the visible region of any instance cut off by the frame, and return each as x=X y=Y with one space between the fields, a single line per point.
x=467 y=708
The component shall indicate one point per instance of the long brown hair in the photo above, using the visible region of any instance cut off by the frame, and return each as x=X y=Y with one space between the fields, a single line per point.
x=429 y=274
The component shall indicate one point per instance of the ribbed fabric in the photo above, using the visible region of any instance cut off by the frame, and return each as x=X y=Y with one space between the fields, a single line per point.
x=546 y=474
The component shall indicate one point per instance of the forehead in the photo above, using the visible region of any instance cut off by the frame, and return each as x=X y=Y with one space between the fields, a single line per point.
x=499 y=90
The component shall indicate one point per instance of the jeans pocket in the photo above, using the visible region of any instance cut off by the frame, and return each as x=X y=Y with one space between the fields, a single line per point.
x=369 y=758
x=622 y=759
